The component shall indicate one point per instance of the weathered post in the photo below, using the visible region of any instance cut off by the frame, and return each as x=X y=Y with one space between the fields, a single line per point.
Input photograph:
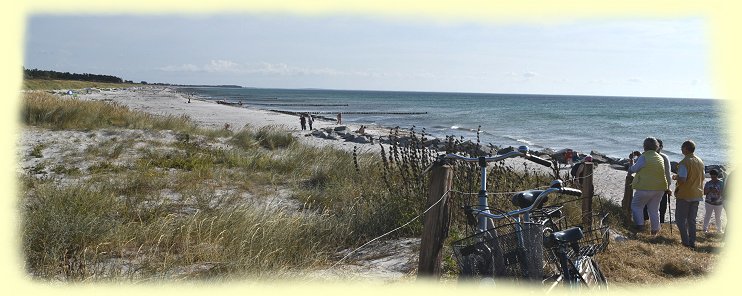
x=436 y=223
x=627 y=196
x=587 y=195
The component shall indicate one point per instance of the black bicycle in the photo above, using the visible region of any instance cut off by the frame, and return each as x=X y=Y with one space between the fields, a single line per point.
x=529 y=243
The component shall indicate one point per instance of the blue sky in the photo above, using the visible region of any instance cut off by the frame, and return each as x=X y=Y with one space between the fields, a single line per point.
x=631 y=57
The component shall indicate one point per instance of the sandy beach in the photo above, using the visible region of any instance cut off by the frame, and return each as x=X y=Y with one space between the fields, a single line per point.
x=608 y=181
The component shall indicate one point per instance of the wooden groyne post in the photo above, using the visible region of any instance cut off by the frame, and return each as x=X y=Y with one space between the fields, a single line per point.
x=436 y=223
x=588 y=191
x=628 y=194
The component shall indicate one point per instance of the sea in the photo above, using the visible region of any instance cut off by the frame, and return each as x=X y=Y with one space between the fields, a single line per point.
x=614 y=126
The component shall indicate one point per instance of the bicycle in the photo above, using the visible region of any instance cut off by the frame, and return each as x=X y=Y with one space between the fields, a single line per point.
x=569 y=253
x=517 y=250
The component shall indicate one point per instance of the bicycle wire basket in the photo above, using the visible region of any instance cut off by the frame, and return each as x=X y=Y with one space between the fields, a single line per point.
x=513 y=250
x=595 y=239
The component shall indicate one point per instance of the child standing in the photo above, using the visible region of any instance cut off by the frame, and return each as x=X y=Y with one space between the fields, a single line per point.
x=713 y=191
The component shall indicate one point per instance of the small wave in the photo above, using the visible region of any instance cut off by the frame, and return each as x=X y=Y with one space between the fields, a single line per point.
x=456 y=127
x=519 y=140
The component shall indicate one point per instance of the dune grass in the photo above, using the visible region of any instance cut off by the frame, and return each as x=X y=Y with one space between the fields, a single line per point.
x=156 y=206
x=264 y=208
x=54 y=84
x=45 y=110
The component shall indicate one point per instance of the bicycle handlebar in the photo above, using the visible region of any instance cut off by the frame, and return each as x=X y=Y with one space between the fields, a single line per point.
x=568 y=191
x=522 y=152
x=539 y=160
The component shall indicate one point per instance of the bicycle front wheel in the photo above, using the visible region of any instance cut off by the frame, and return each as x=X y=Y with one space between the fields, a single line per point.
x=590 y=273
x=477 y=264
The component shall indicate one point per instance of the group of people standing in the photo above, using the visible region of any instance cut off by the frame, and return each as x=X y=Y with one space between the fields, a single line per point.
x=305 y=119
x=652 y=183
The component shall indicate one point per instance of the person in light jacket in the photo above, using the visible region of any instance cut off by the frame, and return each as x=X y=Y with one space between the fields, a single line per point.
x=649 y=185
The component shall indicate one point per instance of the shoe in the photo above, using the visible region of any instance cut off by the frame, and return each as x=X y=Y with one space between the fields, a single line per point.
x=637 y=228
x=655 y=232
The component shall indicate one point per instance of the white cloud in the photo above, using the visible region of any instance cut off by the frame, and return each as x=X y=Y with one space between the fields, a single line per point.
x=220 y=66
x=283 y=69
x=635 y=80
x=180 y=68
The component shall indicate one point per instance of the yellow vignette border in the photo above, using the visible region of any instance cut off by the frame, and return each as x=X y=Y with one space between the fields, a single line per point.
x=725 y=46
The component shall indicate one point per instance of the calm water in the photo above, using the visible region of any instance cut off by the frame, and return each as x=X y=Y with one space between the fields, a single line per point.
x=611 y=125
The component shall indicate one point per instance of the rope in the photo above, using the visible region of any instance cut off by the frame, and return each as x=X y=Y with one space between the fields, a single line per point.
x=593 y=173
x=393 y=230
x=495 y=193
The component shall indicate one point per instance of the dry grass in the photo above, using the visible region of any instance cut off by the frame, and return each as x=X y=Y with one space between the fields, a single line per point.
x=661 y=260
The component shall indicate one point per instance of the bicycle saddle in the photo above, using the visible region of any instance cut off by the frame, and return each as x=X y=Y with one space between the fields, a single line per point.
x=526 y=198
x=568 y=235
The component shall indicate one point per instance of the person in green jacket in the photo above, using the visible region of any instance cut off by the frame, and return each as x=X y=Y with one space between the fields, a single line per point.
x=688 y=193
x=649 y=185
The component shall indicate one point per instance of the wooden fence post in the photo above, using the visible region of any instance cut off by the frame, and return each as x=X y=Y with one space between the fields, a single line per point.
x=436 y=223
x=628 y=194
x=587 y=195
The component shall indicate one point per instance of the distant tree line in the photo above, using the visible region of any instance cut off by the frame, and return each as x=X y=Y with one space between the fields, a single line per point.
x=46 y=74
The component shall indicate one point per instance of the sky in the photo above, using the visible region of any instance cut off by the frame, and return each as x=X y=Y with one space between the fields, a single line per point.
x=614 y=57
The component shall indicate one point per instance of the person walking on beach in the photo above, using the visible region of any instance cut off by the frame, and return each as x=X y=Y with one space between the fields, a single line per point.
x=649 y=184
x=688 y=193
x=310 y=120
x=303 y=122
x=714 y=199
x=340 y=118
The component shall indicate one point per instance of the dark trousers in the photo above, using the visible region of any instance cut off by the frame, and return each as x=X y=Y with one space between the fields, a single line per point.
x=686 y=212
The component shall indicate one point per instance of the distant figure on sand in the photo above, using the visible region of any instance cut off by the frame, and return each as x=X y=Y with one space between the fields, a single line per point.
x=340 y=118
x=362 y=130
x=634 y=155
x=303 y=122
x=688 y=193
x=714 y=199
x=649 y=185
x=568 y=156
x=310 y=120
